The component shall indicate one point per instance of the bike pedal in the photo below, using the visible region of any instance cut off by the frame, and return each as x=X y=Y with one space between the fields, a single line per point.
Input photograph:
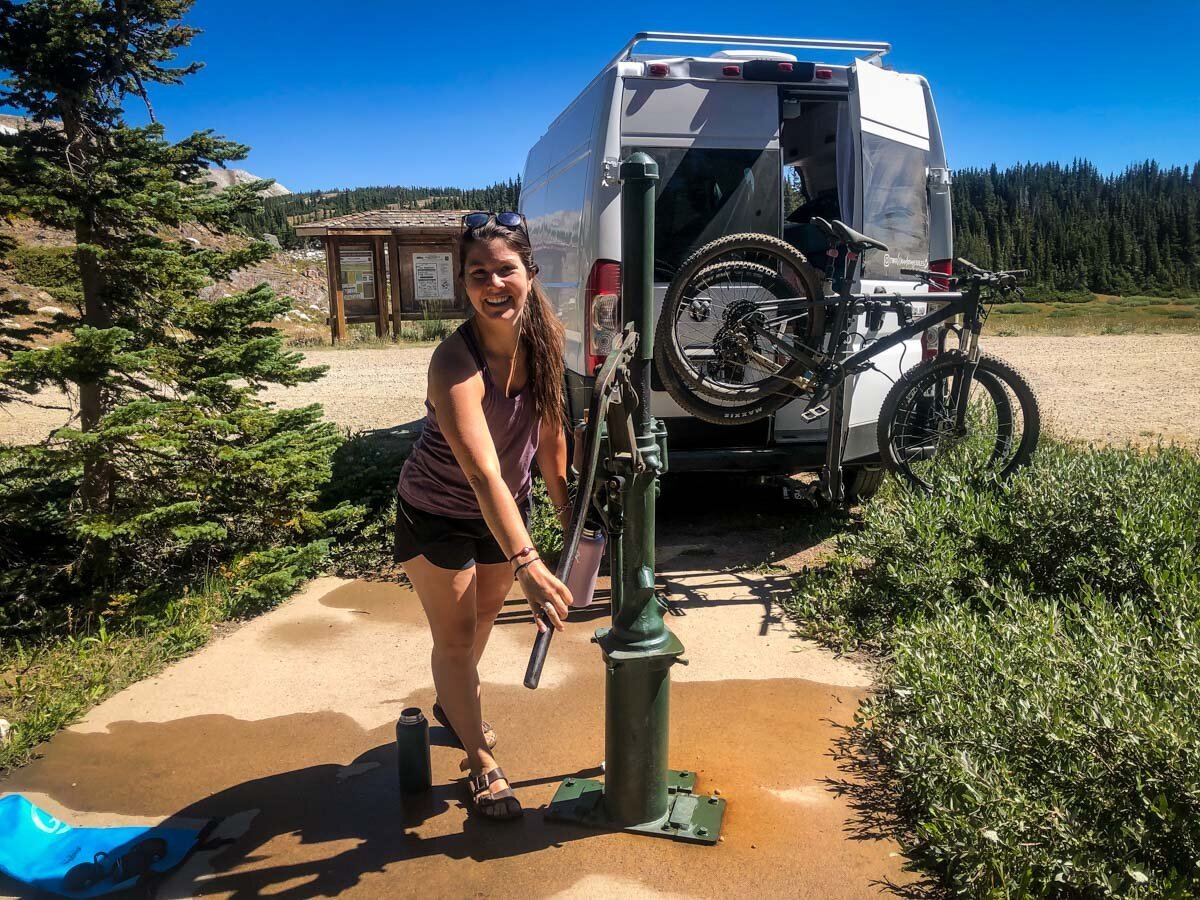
x=816 y=412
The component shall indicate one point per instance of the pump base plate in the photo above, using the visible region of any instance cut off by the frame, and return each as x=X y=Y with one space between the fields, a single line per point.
x=695 y=818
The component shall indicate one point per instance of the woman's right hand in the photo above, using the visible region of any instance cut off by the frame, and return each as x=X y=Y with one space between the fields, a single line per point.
x=545 y=593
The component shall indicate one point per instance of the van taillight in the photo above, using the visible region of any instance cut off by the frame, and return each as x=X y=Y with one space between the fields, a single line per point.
x=932 y=337
x=659 y=69
x=602 y=311
x=731 y=71
x=942 y=267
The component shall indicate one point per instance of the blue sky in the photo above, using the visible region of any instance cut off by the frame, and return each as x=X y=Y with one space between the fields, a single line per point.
x=455 y=93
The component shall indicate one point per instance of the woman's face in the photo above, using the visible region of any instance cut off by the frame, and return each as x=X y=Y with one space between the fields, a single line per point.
x=496 y=280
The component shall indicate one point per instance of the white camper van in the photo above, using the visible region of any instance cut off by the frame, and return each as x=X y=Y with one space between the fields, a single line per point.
x=746 y=139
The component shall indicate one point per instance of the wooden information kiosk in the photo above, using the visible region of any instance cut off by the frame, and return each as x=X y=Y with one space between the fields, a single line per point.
x=391 y=265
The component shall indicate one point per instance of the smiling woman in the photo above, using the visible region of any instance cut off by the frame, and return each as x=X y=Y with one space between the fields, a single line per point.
x=494 y=405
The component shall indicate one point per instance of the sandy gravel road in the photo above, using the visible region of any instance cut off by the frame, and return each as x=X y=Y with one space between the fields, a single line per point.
x=1112 y=388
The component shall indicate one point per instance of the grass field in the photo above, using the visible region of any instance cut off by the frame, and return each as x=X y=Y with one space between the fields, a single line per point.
x=1102 y=314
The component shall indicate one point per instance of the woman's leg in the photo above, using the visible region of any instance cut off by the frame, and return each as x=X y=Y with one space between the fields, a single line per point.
x=448 y=598
x=492 y=584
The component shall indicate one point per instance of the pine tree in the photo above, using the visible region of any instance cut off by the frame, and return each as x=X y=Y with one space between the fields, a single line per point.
x=174 y=467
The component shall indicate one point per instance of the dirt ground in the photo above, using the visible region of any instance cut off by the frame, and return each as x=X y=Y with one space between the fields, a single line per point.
x=1106 y=388
x=298 y=761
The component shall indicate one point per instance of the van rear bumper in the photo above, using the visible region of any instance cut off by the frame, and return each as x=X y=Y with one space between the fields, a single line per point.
x=695 y=446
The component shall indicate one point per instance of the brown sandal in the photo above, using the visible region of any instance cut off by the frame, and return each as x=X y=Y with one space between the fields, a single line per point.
x=502 y=806
x=489 y=735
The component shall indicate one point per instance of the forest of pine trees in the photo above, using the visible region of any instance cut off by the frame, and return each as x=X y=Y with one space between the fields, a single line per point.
x=1072 y=227
x=1075 y=229
x=280 y=214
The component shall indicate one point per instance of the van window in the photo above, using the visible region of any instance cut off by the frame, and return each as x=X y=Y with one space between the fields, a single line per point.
x=895 y=205
x=703 y=194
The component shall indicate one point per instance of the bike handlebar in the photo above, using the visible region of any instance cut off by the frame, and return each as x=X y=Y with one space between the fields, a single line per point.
x=1006 y=280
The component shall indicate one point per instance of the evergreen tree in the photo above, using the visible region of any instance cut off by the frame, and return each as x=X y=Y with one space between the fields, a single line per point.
x=1075 y=229
x=174 y=467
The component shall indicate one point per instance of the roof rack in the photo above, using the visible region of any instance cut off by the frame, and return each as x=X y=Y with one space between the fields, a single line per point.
x=873 y=48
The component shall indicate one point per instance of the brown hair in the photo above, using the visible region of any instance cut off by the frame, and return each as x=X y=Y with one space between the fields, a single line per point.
x=541 y=331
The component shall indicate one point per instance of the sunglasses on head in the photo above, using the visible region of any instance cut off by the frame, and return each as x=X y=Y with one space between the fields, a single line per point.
x=506 y=219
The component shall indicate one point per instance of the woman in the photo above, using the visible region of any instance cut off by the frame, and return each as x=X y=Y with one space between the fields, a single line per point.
x=494 y=404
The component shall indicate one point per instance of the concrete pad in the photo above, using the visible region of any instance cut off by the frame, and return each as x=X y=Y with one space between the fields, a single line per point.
x=285 y=728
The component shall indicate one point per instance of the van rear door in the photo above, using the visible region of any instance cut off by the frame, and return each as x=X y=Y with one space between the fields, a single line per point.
x=892 y=201
x=884 y=195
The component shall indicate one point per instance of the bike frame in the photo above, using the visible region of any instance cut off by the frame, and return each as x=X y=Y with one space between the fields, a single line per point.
x=834 y=373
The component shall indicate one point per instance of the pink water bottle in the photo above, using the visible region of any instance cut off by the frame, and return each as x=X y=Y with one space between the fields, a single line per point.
x=581 y=582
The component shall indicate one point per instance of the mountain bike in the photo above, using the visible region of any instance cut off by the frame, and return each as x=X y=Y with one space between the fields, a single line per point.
x=745 y=329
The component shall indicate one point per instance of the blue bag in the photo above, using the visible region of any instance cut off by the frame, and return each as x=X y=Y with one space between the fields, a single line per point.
x=39 y=850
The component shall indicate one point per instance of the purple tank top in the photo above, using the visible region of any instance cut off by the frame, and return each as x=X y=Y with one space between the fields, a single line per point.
x=431 y=478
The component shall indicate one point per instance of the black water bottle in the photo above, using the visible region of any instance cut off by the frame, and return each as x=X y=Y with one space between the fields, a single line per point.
x=412 y=751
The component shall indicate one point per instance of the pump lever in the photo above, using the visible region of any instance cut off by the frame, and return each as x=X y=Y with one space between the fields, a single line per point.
x=602 y=395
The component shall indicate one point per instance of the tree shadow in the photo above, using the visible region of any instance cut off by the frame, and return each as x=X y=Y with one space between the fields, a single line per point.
x=316 y=806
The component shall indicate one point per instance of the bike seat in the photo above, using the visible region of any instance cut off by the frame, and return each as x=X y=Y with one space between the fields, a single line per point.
x=855 y=240
x=824 y=227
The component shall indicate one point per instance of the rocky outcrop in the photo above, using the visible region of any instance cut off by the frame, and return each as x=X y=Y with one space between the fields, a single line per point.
x=223 y=178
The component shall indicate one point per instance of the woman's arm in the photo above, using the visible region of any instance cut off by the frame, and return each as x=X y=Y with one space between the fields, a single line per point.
x=456 y=391
x=552 y=464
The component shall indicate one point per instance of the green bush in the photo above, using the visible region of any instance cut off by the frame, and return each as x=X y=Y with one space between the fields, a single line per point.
x=1048 y=748
x=53 y=269
x=1182 y=314
x=1063 y=312
x=1016 y=309
x=1038 y=294
x=1035 y=729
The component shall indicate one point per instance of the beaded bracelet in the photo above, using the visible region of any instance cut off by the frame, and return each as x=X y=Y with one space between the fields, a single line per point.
x=529 y=562
x=524 y=551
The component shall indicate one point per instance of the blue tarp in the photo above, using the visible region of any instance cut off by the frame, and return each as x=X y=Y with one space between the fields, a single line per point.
x=39 y=850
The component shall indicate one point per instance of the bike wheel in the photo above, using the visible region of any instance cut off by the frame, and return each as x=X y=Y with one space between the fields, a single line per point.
x=705 y=334
x=919 y=436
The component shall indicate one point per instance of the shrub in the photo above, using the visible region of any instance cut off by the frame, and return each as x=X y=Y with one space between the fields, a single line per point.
x=1016 y=309
x=1035 y=727
x=53 y=269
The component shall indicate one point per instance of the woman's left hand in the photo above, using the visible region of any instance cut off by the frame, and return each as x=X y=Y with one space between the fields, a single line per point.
x=545 y=594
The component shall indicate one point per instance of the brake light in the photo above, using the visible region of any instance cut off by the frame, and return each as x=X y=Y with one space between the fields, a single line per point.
x=659 y=69
x=732 y=71
x=942 y=267
x=785 y=67
x=932 y=338
x=601 y=311
x=823 y=74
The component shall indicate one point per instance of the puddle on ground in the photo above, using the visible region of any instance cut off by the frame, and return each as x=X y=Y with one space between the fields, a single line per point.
x=382 y=601
x=330 y=818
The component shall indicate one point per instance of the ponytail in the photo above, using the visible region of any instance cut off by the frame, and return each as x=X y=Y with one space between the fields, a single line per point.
x=542 y=333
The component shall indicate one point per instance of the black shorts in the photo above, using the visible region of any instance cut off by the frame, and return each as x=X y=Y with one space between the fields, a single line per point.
x=447 y=542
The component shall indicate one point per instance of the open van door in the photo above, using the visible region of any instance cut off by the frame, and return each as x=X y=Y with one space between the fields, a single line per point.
x=889 y=112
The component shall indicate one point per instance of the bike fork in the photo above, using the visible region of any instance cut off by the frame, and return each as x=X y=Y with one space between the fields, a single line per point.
x=969 y=345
